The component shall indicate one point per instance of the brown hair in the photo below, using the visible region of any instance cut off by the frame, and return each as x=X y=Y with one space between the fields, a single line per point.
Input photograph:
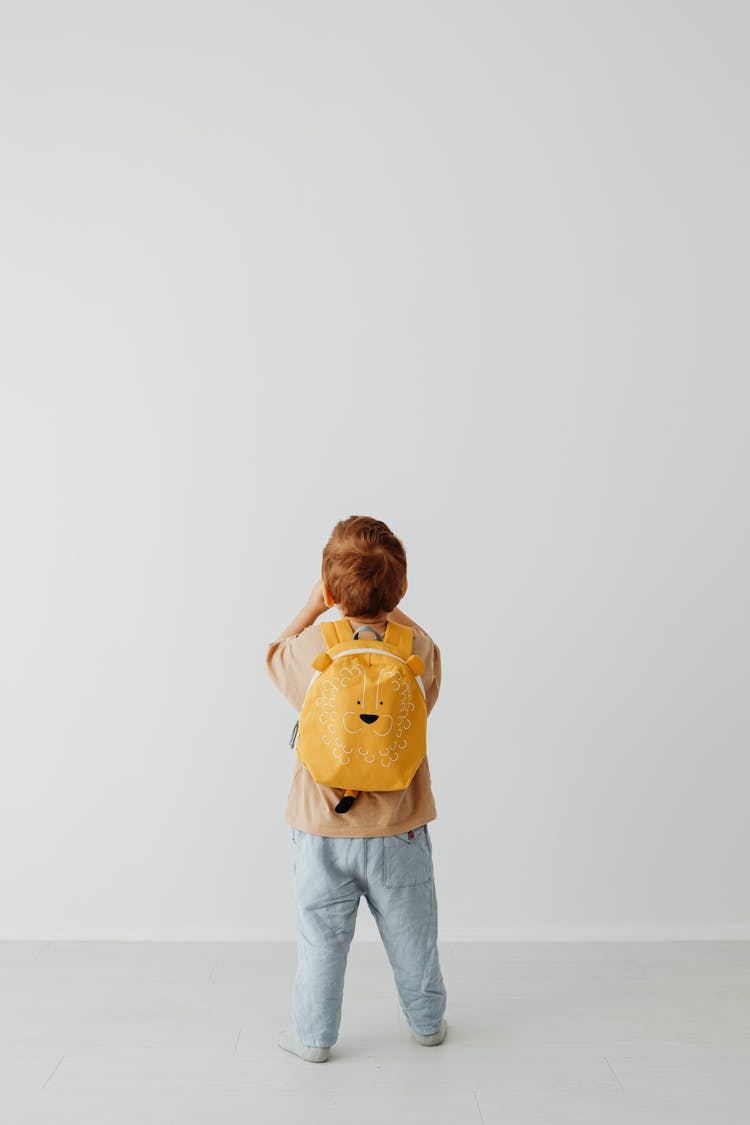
x=364 y=567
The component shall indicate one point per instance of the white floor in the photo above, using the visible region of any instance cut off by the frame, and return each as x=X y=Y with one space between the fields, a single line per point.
x=158 y=1033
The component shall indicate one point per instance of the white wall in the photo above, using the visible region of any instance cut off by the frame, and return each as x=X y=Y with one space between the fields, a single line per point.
x=477 y=269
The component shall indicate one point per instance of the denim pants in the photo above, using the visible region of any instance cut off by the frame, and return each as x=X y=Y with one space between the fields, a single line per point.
x=395 y=875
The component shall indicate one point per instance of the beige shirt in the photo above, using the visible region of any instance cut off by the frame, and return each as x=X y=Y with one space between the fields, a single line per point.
x=311 y=807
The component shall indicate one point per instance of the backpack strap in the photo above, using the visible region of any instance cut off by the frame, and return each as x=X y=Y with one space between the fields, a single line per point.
x=400 y=637
x=336 y=632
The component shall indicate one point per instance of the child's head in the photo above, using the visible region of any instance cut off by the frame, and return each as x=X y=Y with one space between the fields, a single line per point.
x=364 y=567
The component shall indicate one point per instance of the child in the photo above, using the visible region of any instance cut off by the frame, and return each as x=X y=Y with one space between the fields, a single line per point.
x=381 y=847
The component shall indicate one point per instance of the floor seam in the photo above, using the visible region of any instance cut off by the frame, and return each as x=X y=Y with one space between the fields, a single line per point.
x=614 y=1073
x=54 y=1072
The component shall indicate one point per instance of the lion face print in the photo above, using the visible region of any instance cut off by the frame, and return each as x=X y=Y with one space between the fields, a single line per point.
x=365 y=710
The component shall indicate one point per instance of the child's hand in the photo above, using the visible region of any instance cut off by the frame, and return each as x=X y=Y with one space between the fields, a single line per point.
x=316 y=601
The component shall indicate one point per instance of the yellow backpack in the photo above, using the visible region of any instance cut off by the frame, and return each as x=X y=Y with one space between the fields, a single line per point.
x=363 y=723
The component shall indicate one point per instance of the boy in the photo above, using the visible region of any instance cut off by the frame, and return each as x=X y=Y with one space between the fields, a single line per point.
x=381 y=847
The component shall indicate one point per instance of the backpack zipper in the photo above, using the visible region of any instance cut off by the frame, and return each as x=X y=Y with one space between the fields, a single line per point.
x=349 y=651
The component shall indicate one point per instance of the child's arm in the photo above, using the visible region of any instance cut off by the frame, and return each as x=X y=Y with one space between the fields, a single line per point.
x=316 y=606
x=308 y=614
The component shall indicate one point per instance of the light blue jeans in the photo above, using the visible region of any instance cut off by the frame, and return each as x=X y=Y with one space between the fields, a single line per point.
x=395 y=875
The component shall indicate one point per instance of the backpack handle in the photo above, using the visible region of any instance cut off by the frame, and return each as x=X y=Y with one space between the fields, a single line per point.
x=361 y=627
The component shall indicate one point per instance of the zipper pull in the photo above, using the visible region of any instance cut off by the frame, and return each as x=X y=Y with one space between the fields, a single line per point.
x=295 y=728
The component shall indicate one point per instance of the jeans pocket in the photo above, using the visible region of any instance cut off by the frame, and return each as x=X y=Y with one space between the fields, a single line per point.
x=407 y=858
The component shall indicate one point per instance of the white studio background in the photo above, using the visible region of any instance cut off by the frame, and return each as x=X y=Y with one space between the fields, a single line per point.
x=477 y=269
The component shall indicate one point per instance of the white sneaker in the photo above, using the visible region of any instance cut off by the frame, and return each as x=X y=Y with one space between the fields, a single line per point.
x=288 y=1041
x=435 y=1039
